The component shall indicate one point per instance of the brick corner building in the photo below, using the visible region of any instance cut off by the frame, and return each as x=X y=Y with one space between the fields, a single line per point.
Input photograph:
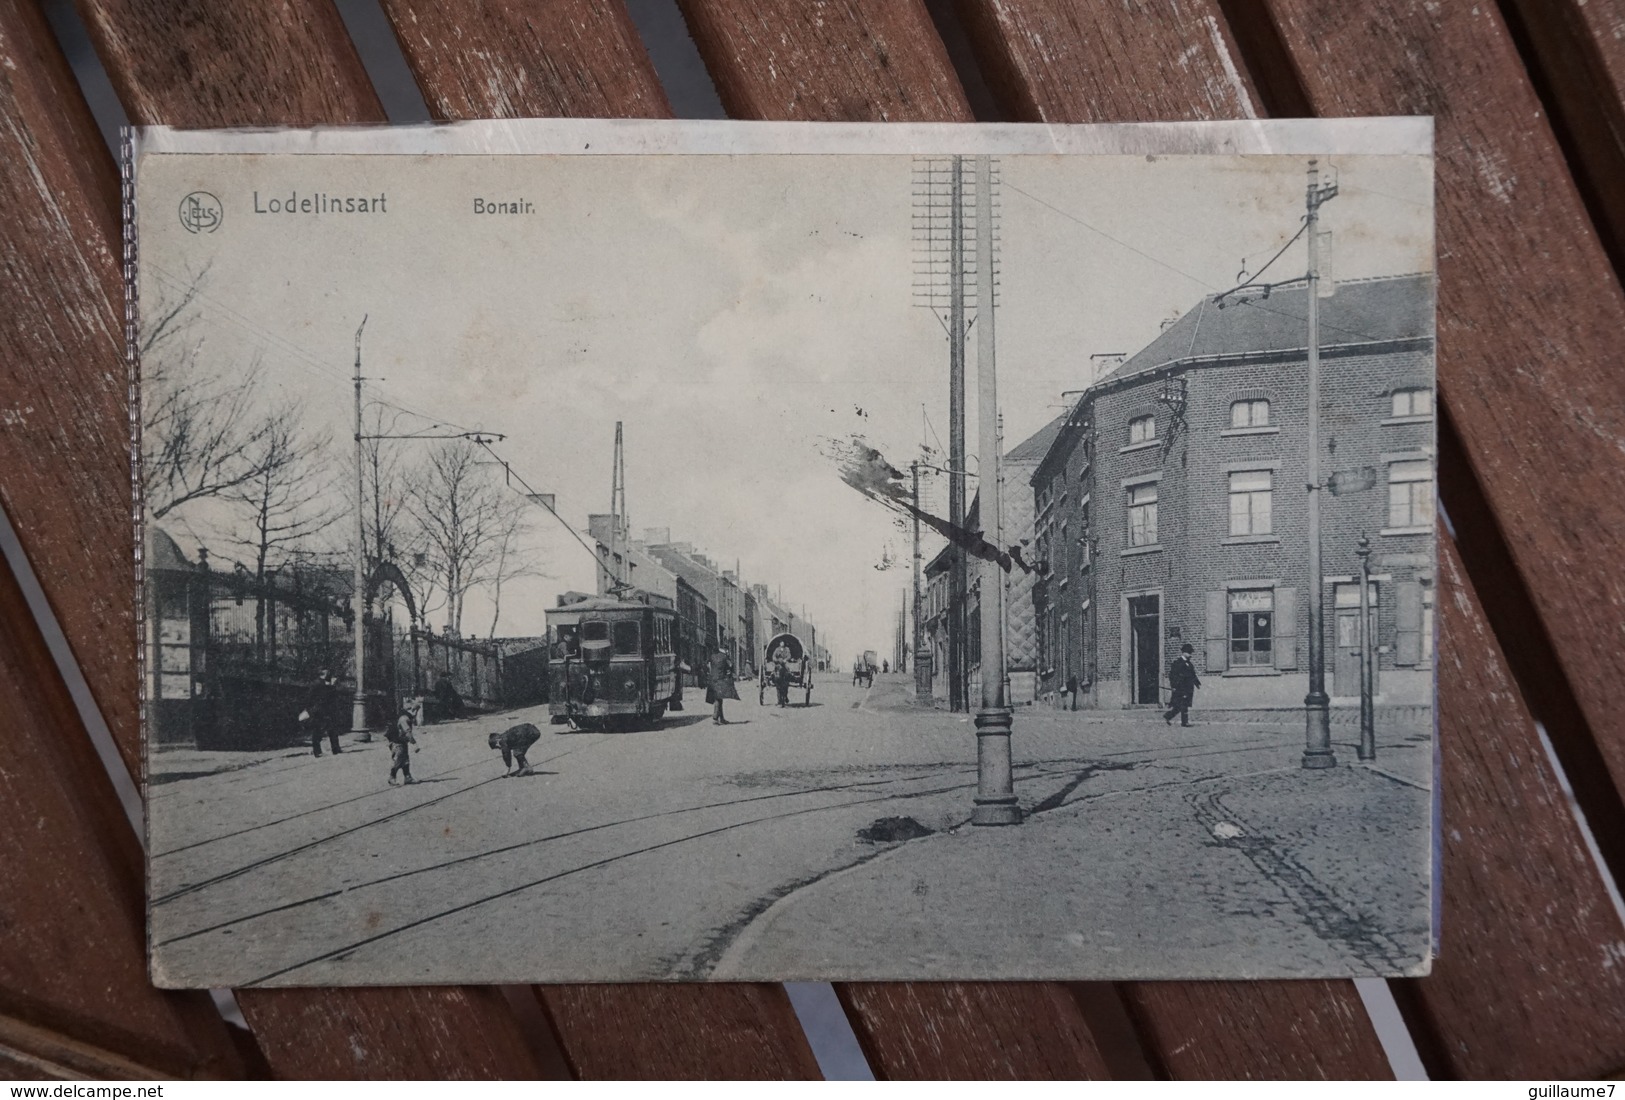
x=1171 y=506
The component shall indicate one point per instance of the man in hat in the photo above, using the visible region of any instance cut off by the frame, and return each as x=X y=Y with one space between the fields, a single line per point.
x=1183 y=681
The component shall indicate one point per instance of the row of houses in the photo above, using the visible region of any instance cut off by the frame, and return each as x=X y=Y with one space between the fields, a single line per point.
x=715 y=607
x=1168 y=506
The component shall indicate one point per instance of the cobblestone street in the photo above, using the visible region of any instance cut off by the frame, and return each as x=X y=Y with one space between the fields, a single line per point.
x=839 y=829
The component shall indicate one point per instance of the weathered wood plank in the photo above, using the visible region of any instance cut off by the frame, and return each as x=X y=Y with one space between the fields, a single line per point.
x=582 y=59
x=74 y=994
x=828 y=60
x=234 y=65
x=1530 y=312
x=509 y=59
x=1061 y=61
x=739 y=1031
x=193 y=63
x=972 y=1031
x=1529 y=980
x=64 y=432
x=1256 y=1030
x=1578 y=47
x=405 y=1033
x=1056 y=61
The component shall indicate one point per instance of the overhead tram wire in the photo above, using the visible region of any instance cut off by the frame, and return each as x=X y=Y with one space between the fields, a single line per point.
x=535 y=497
x=1196 y=278
x=307 y=360
x=1115 y=240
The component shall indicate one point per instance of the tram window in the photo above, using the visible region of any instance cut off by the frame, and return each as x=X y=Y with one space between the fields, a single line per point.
x=626 y=639
x=568 y=642
x=596 y=631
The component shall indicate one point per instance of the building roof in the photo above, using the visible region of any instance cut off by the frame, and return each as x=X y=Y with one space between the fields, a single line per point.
x=1360 y=311
x=1036 y=446
x=1394 y=307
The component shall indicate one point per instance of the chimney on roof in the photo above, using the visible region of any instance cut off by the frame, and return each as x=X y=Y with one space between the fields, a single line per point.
x=657 y=536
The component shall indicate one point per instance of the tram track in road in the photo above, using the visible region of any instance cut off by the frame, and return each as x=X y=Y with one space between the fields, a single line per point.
x=532 y=842
x=238 y=872
x=963 y=780
x=590 y=866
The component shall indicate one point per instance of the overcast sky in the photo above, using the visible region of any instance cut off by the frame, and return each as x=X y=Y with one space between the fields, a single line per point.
x=733 y=312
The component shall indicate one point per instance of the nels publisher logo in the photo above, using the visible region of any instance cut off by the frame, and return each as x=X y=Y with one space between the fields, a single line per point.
x=201 y=212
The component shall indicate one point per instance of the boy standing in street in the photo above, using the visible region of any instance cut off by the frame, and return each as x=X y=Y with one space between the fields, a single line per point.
x=401 y=741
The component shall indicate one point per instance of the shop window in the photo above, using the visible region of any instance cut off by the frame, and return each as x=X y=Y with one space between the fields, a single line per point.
x=1410 y=493
x=1251 y=413
x=1142 y=514
x=1252 y=628
x=1250 y=502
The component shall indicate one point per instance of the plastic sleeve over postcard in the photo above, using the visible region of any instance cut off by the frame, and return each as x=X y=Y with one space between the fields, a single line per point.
x=1065 y=493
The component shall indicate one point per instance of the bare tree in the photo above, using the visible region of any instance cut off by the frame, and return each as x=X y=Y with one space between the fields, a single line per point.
x=202 y=427
x=461 y=513
x=510 y=563
x=390 y=530
x=289 y=502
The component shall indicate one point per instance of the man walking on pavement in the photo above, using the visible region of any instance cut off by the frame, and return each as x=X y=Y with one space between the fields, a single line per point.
x=721 y=685
x=1183 y=681
x=320 y=714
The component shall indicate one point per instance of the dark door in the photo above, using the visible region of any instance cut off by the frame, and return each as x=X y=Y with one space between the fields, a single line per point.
x=1346 y=653
x=1145 y=625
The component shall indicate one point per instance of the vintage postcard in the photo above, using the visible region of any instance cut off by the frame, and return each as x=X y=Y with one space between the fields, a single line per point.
x=624 y=551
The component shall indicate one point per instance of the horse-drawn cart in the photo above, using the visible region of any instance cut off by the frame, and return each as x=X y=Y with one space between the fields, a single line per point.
x=785 y=657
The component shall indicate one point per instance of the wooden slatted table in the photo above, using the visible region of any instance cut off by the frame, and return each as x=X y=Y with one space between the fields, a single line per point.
x=1531 y=134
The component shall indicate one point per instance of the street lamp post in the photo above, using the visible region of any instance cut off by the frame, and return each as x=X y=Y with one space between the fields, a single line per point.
x=995 y=789
x=1317 y=751
x=1368 y=659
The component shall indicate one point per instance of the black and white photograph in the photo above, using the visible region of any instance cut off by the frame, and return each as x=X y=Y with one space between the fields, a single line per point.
x=920 y=559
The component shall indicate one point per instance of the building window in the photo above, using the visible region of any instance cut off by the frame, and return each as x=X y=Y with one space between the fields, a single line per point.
x=1427 y=625
x=1252 y=628
x=1250 y=493
x=1083 y=539
x=1142 y=429
x=1416 y=402
x=1252 y=413
x=1142 y=514
x=1410 y=493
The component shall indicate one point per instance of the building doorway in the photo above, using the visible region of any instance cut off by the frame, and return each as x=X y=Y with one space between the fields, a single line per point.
x=1346 y=650
x=1145 y=648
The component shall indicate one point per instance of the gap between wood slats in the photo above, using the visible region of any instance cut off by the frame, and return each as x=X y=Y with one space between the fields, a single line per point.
x=1584 y=98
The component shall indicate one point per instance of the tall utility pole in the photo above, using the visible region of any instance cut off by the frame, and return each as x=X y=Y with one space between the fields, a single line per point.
x=957 y=595
x=922 y=661
x=617 y=511
x=995 y=790
x=1317 y=751
x=358 y=702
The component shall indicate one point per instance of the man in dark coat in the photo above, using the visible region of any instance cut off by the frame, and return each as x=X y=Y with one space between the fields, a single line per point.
x=720 y=685
x=514 y=742
x=1183 y=681
x=321 y=713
